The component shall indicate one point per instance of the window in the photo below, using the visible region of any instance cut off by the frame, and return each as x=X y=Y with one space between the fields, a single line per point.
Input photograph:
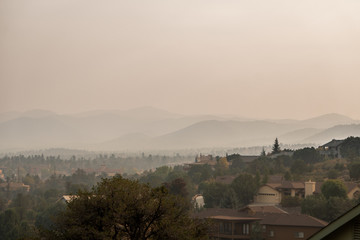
x=226 y=227
x=271 y=233
x=263 y=228
x=246 y=229
x=299 y=235
x=266 y=194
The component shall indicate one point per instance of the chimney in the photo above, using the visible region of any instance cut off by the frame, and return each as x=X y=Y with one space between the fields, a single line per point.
x=309 y=188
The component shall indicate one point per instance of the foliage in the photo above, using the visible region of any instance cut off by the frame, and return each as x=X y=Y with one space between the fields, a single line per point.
x=212 y=193
x=354 y=170
x=229 y=199
x=298 y=167
x=326 y=209
x=287 y=176
x=200 y=173
x=337 y=206
x=308 y=155
x=221 y=167
x=276 y=147
x=332 y=174
x=316 y=206
x=236 y=161
x=177 y=187
x=350 y=148
x=245 y=186
x=119 y=208
x=334 y=188
x=288 y=201
x=260 y=165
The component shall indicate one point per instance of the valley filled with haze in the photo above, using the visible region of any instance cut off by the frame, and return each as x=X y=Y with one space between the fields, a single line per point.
x=149 y=128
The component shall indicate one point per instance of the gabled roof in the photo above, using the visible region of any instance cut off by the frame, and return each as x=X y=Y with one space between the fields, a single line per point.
x=337 y=223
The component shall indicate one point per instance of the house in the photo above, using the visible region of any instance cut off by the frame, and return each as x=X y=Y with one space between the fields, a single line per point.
x=274 y=192
x=345 y=227
x=266 y=222
x=202 y=160
x=228 y=223
x=331 y=149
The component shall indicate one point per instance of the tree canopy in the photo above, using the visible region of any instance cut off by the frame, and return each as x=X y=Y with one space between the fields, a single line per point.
x=119 y=208
x=333 y=188
x=276 y=146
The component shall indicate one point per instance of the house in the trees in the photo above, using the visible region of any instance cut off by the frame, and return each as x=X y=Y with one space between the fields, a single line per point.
x=274 y=191
x=260 y=222
x=332 y=148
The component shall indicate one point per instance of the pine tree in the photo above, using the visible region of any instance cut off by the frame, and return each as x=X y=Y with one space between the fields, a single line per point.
x=276 y=147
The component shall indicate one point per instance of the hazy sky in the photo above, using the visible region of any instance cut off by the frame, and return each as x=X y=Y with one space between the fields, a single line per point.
x=258 y=58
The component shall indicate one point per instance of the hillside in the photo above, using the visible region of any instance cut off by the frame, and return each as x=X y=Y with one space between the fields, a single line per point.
x=151 y=128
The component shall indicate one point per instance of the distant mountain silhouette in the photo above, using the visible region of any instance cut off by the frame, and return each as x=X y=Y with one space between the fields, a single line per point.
x=336 y=132
x=327 y=121
x=152 y=128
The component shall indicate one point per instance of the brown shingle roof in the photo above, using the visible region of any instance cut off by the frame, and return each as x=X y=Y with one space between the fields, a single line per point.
x=263 y=209
x=282 y=219
x=267 y=218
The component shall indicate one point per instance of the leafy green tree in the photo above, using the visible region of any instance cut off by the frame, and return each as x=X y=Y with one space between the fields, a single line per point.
x=245 y=186
x=276 y=147
x=308 y=155
x=350 y=148
x=315 y=205
x=120 y=208
x=229 y=199
x=45 y=221
x=337 y=206
x=199 y=173
x=9 y=225
x=177 y=187
x=334 y=188
x=212 y=192
x=288 y=201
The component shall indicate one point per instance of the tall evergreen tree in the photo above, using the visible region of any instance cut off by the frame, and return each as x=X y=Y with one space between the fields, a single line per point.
x=276 y=146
